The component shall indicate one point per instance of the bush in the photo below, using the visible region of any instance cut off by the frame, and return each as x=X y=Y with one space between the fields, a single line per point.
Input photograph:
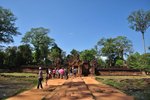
x=137 y=61
x=119 y=62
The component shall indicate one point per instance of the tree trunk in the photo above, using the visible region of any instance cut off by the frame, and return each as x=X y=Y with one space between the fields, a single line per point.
x=143 y=42
x=122 y=55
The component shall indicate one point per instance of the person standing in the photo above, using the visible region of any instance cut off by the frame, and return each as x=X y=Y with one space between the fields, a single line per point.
x=47 y=77
x=66 y=73
x=50 y=73
x=40 y=78
x=54 y=72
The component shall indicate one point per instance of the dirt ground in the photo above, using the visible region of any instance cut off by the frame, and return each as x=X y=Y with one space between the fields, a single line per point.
x=79 y=88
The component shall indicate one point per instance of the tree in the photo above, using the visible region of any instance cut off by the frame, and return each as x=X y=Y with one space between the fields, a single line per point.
x=145 y=61
x=137 y=61
x=114 y=48
x=133 y=61
x=75 y=54
x=39 y=38
x=140 y=22
x=56 y=56
x=12 y=57
x=73 y=58
x=2 y=57
x=123 y=46
x=119 y=62
x=26 y=54
x=7 y=26
x=88 y=55
x=108 y=49
x=149 y=48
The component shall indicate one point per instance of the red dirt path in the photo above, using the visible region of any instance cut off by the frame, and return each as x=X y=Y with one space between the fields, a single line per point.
x=80 y=88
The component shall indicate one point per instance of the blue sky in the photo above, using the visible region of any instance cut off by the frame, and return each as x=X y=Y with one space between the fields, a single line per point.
x=78 y=24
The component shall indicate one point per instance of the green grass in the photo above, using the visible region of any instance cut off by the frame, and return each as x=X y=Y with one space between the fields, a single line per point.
x=14 y=83
x=19 y=74
x=122 y=77
x=110 y=82
x=137 y=86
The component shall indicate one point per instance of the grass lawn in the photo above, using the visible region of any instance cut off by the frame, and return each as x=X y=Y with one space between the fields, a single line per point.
x=137 y=86
x=14 y=83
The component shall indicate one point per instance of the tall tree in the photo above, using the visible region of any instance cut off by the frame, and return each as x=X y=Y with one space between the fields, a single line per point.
x=108 y=49
x=56 y=56
x=114 y=48
x=39 y=38
x=140 y=21
x=7 y=26
x=123 y=46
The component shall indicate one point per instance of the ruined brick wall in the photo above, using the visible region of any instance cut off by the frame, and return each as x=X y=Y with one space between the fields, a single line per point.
x=120 y=72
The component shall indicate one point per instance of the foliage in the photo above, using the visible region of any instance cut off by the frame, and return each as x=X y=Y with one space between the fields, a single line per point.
x=16 y=56
x=133 y=61
x=2 y=57
x=56 y=56
x=88 y=55
x=149 y=48
x=39 y=38
x=73 y=57
x=110 y=82
x=119 y=62
x=137 y=86
x=107 y=49
x=140 y=21
x=101 y=63
x=114 y=48
x=123 y=46
x=138 y=61
x=11 y=57
x=26 y=54
x=7 y=26
x=145 y=61
x=75 y=53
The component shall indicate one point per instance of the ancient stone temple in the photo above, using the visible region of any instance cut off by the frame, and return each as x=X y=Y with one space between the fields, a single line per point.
x=84 y=68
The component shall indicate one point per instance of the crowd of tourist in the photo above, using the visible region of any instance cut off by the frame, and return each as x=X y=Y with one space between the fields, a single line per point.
x=56 y=73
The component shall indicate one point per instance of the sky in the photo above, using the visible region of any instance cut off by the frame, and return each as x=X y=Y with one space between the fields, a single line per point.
x=78 y=24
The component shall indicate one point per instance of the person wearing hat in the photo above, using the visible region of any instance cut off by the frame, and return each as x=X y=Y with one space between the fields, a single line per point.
x=40 y=78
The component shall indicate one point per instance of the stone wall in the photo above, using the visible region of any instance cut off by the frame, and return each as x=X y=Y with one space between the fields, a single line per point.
x=120 y=72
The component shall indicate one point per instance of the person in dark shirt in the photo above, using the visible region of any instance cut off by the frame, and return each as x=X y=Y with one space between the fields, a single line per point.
x=66 y=73
x=47 y=77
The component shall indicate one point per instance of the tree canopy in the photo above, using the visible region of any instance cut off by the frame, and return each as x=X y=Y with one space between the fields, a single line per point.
x=114 y=48
x=55 y=56
x=88 y=55
x=138 y=61
x=7 y=26
x=140 y=21
x=39 y=38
